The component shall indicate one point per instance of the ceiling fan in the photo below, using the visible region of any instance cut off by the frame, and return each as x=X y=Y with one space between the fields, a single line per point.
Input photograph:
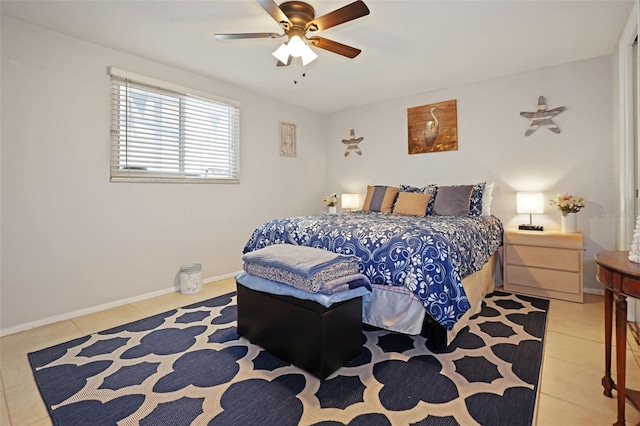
x=298 y=21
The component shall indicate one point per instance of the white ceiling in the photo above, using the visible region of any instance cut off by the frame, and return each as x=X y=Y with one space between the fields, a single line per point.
x=408 y=47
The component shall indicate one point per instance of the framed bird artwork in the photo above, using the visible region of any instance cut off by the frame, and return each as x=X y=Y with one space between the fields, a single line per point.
x=433 y=127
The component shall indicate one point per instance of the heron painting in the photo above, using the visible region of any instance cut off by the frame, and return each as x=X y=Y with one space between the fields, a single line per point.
x=433 y=127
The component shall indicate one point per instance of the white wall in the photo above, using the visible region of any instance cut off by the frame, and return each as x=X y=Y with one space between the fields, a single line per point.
x=492 y=146
x=71 y=240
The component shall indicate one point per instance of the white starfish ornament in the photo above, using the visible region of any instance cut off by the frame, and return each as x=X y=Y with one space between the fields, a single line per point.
x=352 y=144
x=542 y=117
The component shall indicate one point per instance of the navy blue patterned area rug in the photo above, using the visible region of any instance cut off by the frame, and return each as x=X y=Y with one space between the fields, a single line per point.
x=189 y=367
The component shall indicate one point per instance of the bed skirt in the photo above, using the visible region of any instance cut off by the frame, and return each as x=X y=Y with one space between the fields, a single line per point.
x=397 y=309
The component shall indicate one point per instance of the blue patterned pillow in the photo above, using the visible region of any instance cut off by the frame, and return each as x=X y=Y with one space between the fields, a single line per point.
x=475 y=208
x=430 y=189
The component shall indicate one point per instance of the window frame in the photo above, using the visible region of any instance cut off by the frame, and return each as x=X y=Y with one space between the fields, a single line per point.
x=182 y=96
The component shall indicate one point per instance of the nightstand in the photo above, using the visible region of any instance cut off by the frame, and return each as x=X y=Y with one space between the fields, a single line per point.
x=543 y=263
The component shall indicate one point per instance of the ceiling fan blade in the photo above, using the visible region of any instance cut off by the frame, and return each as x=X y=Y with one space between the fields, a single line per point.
x=247 y=35
x=272 y=8
x=347 y=13
x=334 y=46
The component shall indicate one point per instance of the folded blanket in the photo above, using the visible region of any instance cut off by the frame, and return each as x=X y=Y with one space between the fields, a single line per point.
x=268 y=286
x=300 y=260
x=309 y=269
x=334 y=279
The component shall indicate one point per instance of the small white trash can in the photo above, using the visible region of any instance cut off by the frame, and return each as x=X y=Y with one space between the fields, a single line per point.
x=190 y=278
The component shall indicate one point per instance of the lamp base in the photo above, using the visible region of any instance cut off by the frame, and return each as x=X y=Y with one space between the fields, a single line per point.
x=531 y=227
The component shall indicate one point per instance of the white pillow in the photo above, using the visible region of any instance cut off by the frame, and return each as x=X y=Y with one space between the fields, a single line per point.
x=487 y=196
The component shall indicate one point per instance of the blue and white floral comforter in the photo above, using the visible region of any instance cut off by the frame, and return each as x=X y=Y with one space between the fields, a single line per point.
x=428 y=255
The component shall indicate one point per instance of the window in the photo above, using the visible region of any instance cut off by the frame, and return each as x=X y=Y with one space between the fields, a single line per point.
x=165 y=133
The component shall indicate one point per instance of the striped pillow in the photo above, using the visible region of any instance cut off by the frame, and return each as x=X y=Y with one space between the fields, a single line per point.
x=380 y=198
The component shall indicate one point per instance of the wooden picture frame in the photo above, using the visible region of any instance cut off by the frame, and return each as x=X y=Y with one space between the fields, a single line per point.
x=433 y=127
x=287 y=139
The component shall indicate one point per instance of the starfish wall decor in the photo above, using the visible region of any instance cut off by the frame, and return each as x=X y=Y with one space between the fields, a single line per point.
x=352 y=144
x=542 y=117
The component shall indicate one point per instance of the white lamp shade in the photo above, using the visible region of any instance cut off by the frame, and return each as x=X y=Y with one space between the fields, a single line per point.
x=308 y=55
x=296 y=46
x=350 y=201
x=282 y=53
x=530 y=202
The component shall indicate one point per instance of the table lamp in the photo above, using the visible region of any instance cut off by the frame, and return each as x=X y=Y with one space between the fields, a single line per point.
x=350 y=201
x=530 y=203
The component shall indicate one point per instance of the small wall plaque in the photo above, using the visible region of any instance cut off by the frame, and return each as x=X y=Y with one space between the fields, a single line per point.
x=287 y=139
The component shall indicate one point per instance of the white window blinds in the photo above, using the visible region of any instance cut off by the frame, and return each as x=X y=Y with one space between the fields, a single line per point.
x=165 y=133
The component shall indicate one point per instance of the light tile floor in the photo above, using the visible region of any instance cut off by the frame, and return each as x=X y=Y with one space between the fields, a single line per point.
x=570 y=392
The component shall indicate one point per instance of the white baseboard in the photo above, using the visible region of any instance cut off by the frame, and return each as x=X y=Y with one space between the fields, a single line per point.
x=85 y=311
x=63 y=317
x=589 y=290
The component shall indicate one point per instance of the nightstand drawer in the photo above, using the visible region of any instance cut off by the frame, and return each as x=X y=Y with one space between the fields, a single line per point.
x=543 y=239
x=563 y=281
x=544 y=263
x=544 y=257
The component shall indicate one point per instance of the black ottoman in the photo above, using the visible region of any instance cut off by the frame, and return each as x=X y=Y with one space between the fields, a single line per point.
x=304 y=333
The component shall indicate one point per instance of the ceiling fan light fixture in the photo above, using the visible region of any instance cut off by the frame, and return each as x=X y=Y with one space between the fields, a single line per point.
x=308 y=55
x=297 y=20
x=282 y=53
x=296 y=46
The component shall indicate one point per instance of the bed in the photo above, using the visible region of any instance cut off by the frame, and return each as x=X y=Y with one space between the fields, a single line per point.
x=429 y=273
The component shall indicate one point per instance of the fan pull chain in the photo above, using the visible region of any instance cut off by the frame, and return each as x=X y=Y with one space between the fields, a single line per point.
x=304 y=74
x=295 y=66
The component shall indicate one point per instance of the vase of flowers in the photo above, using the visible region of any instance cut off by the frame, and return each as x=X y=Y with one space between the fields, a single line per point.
x=569 y=223
x=331 y=201
x=568 y=205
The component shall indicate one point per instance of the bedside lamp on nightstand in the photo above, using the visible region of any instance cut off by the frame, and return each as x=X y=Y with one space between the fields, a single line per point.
x=350 y=201
x=530 y=203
